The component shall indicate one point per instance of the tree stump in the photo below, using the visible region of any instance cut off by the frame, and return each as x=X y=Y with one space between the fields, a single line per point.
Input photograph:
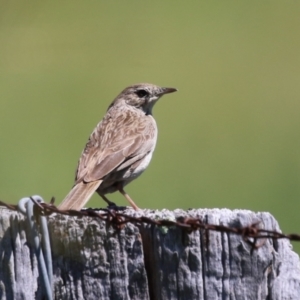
x=94 y=260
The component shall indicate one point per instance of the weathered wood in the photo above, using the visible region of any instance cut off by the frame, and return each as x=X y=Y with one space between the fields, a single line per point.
x=92 y=260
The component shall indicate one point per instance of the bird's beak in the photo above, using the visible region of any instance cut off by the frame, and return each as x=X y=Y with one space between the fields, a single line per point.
x=166 y=90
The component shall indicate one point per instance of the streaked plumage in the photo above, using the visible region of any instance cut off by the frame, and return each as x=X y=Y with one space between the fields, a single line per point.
x=120 y=147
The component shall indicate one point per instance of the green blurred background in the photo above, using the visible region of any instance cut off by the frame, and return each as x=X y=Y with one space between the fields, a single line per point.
x=228 y=138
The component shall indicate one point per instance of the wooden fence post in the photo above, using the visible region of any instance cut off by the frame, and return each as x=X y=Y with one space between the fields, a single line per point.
x=93 y=260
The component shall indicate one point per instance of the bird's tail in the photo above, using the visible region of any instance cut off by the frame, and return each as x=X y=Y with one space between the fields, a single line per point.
x=79 y=195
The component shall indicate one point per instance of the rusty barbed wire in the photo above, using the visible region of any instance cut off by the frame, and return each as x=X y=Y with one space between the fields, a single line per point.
x=250 y=234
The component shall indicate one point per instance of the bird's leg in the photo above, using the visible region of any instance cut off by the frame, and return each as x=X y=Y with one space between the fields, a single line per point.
x=121 y=190
x=110 y=203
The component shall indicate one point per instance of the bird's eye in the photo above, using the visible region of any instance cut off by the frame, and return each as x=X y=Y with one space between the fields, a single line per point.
x=142 y=93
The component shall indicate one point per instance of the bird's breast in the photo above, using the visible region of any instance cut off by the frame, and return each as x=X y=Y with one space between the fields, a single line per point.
x=142 y=165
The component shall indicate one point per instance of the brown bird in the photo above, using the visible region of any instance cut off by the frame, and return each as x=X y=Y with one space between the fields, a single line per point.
x=120 y=147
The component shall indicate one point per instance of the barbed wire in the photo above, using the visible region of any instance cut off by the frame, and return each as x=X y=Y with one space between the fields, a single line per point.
x=250 y=234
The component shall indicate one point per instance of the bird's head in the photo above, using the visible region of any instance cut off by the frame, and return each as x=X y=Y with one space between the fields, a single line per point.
x=143 y=95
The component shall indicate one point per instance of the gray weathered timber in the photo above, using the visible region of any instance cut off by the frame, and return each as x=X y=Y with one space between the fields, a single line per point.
x=92 y=260
x=186 y=266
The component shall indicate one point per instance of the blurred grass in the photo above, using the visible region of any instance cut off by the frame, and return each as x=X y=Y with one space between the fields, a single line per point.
x=228 y=138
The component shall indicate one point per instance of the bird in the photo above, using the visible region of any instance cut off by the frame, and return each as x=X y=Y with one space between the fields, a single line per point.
x=119 y=149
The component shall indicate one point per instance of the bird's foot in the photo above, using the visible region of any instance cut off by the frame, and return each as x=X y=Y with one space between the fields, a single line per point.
x=115 y=207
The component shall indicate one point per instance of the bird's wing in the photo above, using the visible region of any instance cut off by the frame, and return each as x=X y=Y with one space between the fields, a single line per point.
x=119 y=137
